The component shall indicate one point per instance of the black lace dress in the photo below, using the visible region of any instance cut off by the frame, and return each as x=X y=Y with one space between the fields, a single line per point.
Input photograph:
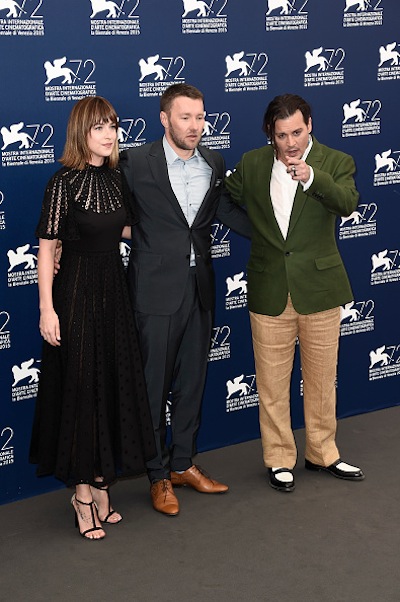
x=92 y=416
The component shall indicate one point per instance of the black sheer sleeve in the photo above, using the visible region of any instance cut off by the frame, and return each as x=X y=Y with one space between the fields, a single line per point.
x=56 y=217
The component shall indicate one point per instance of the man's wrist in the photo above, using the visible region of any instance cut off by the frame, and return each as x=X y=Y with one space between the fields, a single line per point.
x=306 y=185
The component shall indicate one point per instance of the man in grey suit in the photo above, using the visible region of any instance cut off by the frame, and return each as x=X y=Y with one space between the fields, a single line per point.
x=178 y=188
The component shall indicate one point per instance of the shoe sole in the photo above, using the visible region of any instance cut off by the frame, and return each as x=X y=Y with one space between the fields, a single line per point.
x=199 y=490
x=166 y=513
x=344 y=478
x=337 y=476
x=283 y=489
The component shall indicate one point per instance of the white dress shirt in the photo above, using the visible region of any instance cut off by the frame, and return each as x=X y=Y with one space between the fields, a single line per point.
x=283 y=190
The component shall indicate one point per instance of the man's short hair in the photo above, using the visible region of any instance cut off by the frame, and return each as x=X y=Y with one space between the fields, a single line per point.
x=282 y=107
x=176 y=90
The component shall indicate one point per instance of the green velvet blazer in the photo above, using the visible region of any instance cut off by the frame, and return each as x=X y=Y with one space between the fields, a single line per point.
x=307 y=264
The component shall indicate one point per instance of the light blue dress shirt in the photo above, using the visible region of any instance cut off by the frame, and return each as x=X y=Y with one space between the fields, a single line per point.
x=190 y=181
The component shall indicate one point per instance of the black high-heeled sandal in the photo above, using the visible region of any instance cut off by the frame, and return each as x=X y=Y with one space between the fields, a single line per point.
x=110 y=512
x=93 y=528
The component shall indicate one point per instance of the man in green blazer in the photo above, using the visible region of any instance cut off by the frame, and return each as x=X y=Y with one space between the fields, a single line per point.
x=293 y=190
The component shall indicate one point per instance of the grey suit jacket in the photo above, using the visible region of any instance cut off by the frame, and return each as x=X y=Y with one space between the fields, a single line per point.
x=161 y=241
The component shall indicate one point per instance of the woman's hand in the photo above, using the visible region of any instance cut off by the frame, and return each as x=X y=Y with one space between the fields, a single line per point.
x=127 y=232
x=49 y=324
x=57 y=257
x=49 y=327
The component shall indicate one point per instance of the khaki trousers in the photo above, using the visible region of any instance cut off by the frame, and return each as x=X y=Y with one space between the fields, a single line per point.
x=274 y=340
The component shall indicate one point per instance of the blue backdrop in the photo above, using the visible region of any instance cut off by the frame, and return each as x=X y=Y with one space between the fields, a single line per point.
x=343 y=56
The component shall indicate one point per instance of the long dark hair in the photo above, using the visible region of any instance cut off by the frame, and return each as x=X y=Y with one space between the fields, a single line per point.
x=282 y=107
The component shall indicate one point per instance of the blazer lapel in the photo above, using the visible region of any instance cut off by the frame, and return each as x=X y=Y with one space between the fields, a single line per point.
x=208 y=157
x=298 y=204
x=314 y=159
x=159 y=171
x=263 y=184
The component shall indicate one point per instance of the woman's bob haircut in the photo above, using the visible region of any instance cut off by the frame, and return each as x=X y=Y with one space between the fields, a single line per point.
x=88 y=112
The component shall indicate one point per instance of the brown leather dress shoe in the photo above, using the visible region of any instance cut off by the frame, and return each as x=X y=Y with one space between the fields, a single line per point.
x=196 y=478
x=163 y=497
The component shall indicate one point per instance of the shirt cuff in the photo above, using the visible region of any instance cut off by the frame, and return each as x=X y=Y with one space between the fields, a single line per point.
x=306 y=185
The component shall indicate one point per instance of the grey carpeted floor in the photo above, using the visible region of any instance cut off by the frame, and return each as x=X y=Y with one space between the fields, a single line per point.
x=330 y=540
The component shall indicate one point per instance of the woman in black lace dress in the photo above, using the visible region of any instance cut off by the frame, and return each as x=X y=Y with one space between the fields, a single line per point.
x=92 y=422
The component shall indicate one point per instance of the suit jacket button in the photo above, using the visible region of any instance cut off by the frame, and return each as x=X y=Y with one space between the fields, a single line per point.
x=288 y=253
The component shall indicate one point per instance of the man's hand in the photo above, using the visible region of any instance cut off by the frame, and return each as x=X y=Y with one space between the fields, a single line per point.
x=298 y=169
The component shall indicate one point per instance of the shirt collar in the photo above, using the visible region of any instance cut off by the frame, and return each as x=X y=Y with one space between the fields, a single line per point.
x=171 y=155
x=309 y=146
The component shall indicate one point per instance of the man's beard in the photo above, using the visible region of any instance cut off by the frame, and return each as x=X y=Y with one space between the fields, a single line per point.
x=180 y=142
